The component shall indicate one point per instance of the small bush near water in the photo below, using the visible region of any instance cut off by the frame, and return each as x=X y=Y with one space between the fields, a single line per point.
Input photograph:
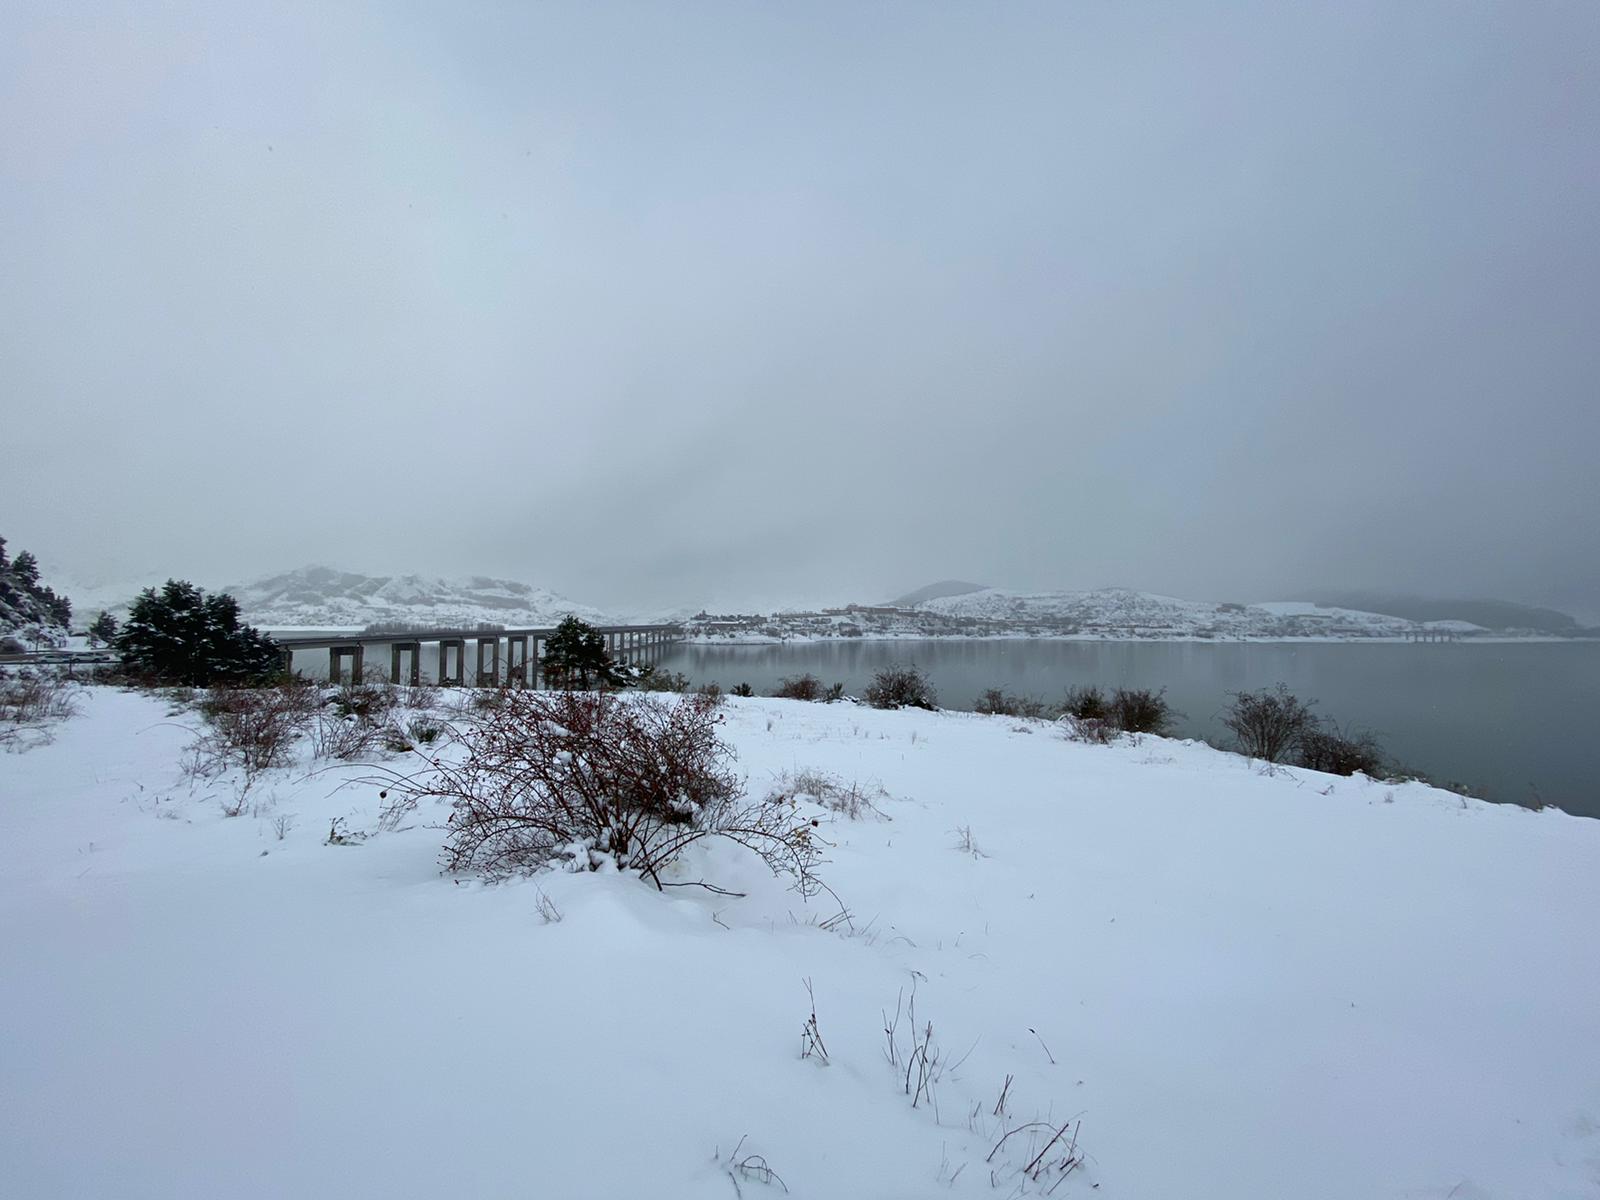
x=1086 y=704
x=799 y=687
x=1275 y=725
x=1340 y=752
x=901 y=686
x=1268 y=723
x=1095 y=730
x=1090 y=715
x=996 y=702
x=654 y=679
x=1139 y=710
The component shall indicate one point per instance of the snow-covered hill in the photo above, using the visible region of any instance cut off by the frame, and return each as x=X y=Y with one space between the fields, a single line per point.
x=1229 y=983
x=321 y=596
x=1123 y=612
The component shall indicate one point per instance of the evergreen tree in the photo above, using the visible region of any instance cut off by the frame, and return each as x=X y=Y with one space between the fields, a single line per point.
x=575 y=658
x=59 y=607
x=26 y=568
x=104 y=629
x=181 y=635
x=24 y=601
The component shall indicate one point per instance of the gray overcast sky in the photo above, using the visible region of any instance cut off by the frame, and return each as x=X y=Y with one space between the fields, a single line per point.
x=747 y=302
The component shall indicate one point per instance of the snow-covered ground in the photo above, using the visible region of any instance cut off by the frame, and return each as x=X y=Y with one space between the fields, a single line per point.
x=1243 y=984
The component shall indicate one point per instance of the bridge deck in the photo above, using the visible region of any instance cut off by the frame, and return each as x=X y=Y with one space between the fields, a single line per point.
x=364 y=637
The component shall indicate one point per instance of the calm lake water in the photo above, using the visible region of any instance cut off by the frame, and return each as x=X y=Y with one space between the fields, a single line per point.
x=1516 y=722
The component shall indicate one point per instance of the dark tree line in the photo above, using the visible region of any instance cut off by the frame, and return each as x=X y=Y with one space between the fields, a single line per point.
x=180 y=635
x=24 y=600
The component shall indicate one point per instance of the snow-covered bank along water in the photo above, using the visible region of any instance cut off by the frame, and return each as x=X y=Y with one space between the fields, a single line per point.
x=1241 y=983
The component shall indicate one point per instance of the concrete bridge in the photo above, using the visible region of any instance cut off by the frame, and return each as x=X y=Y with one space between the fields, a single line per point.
x=503 y=656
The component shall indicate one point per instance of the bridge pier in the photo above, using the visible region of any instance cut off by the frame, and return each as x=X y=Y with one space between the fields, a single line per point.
x=457 y=677
x=489 y=647
x=414 y=676
x=336 y=654
x=517 y=660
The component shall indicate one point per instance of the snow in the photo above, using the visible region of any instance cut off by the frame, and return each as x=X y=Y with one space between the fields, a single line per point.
x=1252 y=983
x=1124 y=612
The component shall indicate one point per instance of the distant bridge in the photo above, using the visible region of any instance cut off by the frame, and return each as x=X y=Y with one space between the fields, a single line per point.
x=1430 y=634
x=504 y=656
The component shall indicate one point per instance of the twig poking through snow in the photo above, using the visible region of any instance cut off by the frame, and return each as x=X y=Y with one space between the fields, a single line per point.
x=751 y=1166
x=811 y=1045
x=1005 y=1090
x=1047 y=1053
x=546 y=908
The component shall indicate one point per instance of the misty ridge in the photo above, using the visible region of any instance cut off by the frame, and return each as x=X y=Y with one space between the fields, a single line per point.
x=316 y=597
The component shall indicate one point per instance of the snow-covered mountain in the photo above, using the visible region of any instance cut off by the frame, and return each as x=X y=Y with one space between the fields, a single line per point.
x=314 y=597
x=1103 y=613
x=1128 y=613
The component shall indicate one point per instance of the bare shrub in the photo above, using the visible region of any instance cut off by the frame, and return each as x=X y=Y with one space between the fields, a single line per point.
x=1268 y=723
x=346 y=738
x=902 y=685
x=395 y=739
x=424 y=731
x=35 y=698
x=366 y=701
x=340 y=834
x=251 y=728
x=1340 y=751
x=1087 y=703
x=850 y=799
x=799 y=687
x=967 y=843
x=359 y=719
x=1096 y=731
x=654 y=679
x=419 y=699
x=281 y=824
x=596 y=778
x=996 y=702
x=1139 y=710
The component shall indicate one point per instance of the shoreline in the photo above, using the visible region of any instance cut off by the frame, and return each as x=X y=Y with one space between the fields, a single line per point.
x=811 y=640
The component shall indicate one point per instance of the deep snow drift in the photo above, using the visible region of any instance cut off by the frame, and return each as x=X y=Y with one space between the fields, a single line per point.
x=1243 y=984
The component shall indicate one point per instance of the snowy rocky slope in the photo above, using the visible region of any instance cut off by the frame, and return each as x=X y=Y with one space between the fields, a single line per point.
x=322 y=596
x=1232 y=983
x=1102 y=613
x=1127 y=612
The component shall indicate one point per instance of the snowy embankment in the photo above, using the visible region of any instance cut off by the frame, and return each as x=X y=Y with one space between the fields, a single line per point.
x=1242 y=984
